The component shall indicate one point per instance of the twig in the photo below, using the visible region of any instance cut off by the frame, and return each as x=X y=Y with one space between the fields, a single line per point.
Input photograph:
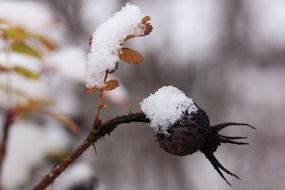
x=99 y=101
x=98 y=130
x=9 y=119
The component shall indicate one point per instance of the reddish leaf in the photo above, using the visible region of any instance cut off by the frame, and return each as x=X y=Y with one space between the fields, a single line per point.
x=130 y=56
x=148 y=29
x=90 y=90
x=47 y=43
x=145 y=19
x=64 y=120
x=111 y=85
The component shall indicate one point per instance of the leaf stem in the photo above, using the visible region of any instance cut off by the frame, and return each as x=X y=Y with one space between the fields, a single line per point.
x=99 y=101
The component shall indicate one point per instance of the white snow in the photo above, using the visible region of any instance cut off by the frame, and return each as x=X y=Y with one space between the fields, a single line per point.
x=34 y=16
x=28 y=144
x=68 y=62
x=107 y=40
x=165 y=107
x=78 y=173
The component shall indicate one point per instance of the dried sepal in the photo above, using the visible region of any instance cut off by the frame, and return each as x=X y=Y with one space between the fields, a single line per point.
x=130 y=56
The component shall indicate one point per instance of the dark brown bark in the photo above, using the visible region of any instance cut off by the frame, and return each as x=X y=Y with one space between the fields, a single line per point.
x=9 y=119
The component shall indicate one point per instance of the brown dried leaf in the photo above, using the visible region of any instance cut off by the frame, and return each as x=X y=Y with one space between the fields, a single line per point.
x=91 y=90
x=148 y=29
x=111 y=85
x=90 y=40
x=145 y=19
x=130 y=56
x=47 y=43
x=64 y=120
x=146 y=26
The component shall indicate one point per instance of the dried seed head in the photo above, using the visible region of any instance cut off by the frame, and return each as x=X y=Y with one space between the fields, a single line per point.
x=193 y=133
x=186 y=136
x=183 y=128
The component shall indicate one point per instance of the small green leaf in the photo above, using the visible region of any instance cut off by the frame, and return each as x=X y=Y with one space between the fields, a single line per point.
x=15 y=33
x=23 y=48
x=26 y=73
x=57 y=156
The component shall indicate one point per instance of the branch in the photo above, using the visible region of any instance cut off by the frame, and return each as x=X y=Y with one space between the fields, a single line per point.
x=98 y=131
x=9 y=119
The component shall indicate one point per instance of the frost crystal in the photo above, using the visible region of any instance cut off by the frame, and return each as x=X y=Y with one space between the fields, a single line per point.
x=165 y=107
x=107 y=41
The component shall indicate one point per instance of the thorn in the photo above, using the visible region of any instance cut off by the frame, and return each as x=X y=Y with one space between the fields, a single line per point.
x=229 y=137
x=94 y=147
x=233 y=142
x=217 y=165
x=211 y=158
x=224 y=125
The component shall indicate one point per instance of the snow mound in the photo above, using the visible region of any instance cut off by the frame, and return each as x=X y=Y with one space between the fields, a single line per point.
x=166 y=106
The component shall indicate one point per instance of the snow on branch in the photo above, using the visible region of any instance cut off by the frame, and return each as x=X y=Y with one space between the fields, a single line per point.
x=107 y=41
x=166 y=106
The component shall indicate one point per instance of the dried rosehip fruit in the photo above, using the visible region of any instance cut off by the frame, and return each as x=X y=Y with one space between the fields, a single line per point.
x=193 y=133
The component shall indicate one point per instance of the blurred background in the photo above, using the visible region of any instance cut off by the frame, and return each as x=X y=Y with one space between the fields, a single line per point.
x=228 y=56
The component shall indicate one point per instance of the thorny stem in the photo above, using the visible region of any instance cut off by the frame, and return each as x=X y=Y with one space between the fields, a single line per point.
x=99 y=101
x=9 y=119
x=98 y=130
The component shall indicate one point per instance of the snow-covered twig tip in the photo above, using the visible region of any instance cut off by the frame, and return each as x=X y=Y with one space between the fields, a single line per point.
x=107 y=41
x=166 y=106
